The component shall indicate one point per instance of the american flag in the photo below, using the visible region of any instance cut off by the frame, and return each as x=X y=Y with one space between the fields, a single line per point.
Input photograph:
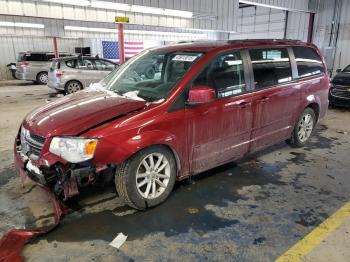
x=111 y=49
x=132 y=48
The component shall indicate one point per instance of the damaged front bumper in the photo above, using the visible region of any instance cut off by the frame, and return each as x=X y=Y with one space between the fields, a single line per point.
x=64 y=179
x=25 y=167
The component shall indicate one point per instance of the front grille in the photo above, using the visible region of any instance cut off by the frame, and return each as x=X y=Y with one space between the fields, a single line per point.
x=341 y=91
x=32 y=144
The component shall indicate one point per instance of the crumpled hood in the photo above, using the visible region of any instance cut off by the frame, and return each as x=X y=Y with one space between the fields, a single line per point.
x=78 y=112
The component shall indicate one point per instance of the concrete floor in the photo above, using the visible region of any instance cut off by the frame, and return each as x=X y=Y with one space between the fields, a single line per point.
x=253 y=210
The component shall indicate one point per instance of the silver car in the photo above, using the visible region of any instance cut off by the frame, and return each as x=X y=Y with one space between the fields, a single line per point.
x=71 y=74
x=33 y=66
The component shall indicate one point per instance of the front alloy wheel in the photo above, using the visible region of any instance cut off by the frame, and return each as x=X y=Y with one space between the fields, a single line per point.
x=147 y=178
x=153 y=176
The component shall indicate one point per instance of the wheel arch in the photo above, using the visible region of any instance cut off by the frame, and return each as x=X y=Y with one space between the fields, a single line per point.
x=38 y=74
x=73 y=80
x=316 y=108
x=43 y=71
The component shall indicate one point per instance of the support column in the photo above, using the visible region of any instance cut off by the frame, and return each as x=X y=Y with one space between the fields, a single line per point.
x=121 y=43
x=311 y=27
x=286 y=25
x=55 y=49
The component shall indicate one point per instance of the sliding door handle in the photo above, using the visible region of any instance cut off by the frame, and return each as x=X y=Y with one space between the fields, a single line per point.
x=264 y=99
x=244 y=104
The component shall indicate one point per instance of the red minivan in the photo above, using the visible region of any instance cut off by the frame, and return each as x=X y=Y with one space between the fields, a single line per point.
x=208 y=103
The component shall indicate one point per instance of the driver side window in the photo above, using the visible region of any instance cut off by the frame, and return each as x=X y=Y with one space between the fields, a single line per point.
x=225 y=74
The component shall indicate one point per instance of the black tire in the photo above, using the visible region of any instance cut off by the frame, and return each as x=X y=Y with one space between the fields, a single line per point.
x=150 y=72
x=125 y=178
x=42 y=78
x=295 y=140
x=72 y=87
x=13 y=72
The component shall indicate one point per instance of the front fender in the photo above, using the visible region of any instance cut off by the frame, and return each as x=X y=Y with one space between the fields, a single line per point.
x=116 y=151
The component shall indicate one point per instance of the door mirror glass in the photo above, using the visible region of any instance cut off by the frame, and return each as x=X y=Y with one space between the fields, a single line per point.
x=201 y=95
x=338 y=70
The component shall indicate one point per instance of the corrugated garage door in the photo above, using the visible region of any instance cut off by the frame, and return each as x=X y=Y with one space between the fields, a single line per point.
x=260 y=22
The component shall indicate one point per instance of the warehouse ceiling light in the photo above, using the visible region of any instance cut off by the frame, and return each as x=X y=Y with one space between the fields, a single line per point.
x=138 y=32
x=26 y=25
x=271 y=6
x=143 y=32
x=125 y=7
x=110 y=5
x=70 y=2
x=90 y=29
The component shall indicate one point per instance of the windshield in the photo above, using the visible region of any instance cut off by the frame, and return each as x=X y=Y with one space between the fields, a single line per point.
x=347 y=69
x=150 y=75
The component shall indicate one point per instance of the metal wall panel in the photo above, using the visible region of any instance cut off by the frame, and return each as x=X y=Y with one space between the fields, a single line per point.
x=342 y=54
x=215 y=15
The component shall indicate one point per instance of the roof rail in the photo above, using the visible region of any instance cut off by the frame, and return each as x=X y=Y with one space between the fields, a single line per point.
x=185 y=41
x=263 y=40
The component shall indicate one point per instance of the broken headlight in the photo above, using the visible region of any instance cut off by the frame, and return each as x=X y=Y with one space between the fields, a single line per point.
x=72 y=149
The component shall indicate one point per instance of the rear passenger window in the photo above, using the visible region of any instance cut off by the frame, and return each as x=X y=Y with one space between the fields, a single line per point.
x=35 y=57
x=270 y=66
x=71 y=63
x=225 y=74
x=308 y=61
x=86 y=64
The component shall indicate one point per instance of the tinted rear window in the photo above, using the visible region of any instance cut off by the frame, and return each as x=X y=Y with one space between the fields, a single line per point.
x=271 y=66
x=50 y=56
x=308 y=61
x=32 y=57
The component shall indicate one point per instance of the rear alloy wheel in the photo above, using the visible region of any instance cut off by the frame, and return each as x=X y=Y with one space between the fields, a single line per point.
x=146 y=179
x=73 y=86
x=42 y=78
x=303 y=128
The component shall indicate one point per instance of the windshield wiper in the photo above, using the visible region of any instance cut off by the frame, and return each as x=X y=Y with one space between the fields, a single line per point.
x=118 y=92
x=147 y=98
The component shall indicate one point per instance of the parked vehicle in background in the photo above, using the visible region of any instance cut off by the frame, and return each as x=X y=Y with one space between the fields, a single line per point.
x=12 y=68
x=71 y=74
x=34 y=66
x=148 y=68
x=213 y=103
x=339 y=93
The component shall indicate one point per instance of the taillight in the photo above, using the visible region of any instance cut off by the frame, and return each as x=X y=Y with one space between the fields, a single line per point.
x=23 y=64
x=59 y=73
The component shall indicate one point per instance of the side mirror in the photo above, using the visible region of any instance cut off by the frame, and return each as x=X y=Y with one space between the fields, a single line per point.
x=338 y=70
x=201 y=95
